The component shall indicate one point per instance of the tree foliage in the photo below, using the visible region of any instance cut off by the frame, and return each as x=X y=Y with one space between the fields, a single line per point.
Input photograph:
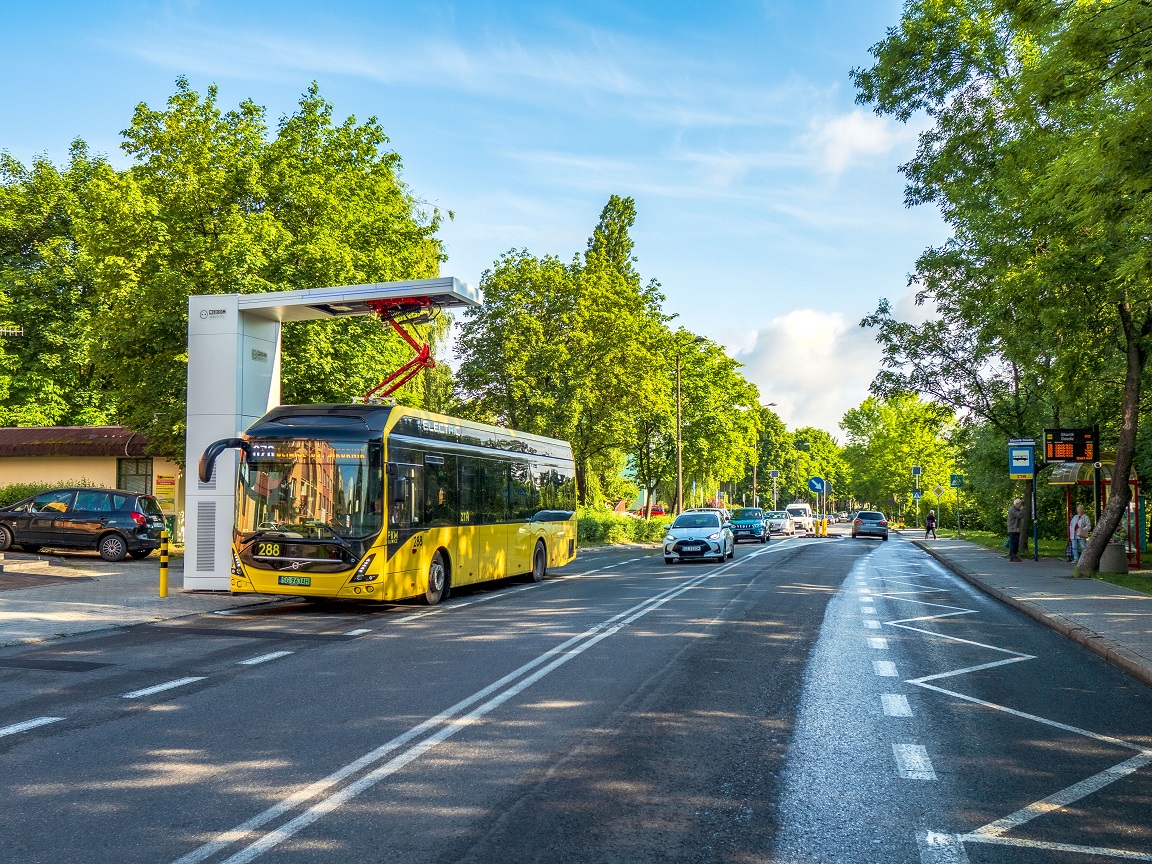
x=1039 y=160
x=99 y=263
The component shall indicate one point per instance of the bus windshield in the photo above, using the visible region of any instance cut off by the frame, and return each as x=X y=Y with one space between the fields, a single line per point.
x=311 y=489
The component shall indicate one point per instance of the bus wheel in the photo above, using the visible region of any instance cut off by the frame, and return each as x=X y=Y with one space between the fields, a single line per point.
x=437 y=580
x=539 y=562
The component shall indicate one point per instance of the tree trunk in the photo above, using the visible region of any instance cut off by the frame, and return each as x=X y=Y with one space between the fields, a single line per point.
x=1126 y=448
x=581 y=482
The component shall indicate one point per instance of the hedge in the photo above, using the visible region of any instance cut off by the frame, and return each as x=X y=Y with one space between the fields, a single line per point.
x=595 y=527
x=19 y=491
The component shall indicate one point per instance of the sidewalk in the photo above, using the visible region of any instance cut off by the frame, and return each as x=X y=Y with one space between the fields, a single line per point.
x=1114 y=622
x=47 y=596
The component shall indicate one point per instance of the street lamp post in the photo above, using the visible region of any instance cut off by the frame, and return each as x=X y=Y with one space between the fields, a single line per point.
x=756 y=466
x=679 y=442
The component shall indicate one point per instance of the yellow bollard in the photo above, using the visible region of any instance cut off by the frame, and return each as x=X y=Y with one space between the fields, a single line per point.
x=163 y=563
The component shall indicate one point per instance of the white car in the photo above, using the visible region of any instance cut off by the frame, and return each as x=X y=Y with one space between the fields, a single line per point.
x=779 y=522
x=699 y=534
x=802 y=517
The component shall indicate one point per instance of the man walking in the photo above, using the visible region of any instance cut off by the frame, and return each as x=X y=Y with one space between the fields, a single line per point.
x=930 y=525
x=1078 y=530
x=1015 y=526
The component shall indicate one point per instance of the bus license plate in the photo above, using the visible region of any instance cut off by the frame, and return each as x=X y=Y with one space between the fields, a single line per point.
x=295 y=580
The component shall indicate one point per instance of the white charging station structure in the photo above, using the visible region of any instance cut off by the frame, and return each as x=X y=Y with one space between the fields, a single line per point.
x=234 y=380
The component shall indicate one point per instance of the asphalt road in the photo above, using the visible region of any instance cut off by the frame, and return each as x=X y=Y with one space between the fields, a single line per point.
x=814 y=700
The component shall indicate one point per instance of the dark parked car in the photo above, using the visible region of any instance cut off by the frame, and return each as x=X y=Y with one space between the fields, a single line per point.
x=114 y=522
x=870 y=523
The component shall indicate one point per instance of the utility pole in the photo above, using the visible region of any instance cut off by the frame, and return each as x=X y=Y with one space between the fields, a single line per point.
x=679 y=441
x=755 y=498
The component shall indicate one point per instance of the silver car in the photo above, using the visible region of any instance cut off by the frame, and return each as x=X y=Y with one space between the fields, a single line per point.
x=700 y=534
x=780 y=522
x=870 y=523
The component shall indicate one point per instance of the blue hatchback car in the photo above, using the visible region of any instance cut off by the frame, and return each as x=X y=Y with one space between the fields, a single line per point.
x=748 y=523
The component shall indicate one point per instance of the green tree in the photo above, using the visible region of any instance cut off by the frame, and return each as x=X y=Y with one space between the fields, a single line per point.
x=48 y=376
x=887 y=438
x=1037 y=159
x=568 y=350
x=213 y=204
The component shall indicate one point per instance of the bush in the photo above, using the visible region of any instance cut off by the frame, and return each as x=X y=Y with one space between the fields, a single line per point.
x=595 y=527
x=19 y=491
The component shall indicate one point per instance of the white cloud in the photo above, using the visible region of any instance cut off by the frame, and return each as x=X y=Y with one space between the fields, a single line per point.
x=848 y=139
x=813 y=364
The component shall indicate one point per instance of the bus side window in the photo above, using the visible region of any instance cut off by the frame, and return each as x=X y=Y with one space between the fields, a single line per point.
x=494 y=492
x=440 y=492
x=409 y=512
x=469 y=490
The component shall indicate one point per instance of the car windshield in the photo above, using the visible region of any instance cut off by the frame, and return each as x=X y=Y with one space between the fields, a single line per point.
x=798 y=511
x=311 y=489
x=870 y=516
x=697 y=520
x=777 y=514
x=748 y=513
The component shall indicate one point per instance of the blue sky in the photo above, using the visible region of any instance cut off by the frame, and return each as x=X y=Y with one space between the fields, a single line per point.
x=769 y=204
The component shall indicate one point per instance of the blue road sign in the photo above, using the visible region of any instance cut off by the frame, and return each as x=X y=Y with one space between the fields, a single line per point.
x=955 y=480
x=917 y=494
x=1021 y=461
x=816 y=484
x=773 y=473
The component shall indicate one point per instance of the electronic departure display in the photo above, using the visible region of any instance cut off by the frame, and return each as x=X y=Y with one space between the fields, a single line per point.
x=1071 y=445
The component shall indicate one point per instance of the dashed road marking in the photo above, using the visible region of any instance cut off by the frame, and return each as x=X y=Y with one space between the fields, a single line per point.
x=872 y=624
x=359 y=632
x=885 y=668
x=27 y=724
x=877 y=642
x=264 y=658
x=895 y=705
x=159 y=688
x=867 y=610
x=912 y=762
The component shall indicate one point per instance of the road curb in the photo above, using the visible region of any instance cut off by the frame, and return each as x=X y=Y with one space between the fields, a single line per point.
x=1099 y=644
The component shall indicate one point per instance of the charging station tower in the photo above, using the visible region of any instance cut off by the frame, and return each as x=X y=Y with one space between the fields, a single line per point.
x=234 y=380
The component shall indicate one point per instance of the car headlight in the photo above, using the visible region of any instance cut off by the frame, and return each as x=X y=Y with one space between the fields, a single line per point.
x=715 y=536
x=669 y=539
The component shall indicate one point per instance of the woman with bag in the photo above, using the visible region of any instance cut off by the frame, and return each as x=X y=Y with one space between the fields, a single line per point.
x=1078 y=530
x=930 y=525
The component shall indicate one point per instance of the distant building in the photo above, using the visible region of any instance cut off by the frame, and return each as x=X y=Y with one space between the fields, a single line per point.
x=110 y=456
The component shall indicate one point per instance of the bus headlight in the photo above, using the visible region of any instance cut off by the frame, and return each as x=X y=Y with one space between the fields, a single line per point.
x=361 y=574
x=236 y=571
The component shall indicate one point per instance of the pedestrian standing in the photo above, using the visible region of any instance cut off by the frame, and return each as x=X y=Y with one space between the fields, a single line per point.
x=1079 y=528
x=1015 y=526
x=930 y=525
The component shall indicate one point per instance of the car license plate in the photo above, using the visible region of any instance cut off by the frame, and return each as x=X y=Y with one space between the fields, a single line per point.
x=692 y=547
x=295 y=580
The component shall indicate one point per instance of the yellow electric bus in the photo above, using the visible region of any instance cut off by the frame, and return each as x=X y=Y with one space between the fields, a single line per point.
x=382 y=503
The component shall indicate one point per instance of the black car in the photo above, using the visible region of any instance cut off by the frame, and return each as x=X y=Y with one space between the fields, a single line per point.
x=112 y=521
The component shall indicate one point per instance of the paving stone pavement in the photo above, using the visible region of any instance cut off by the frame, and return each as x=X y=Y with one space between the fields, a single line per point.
x=1112 y=621
x=47 y=596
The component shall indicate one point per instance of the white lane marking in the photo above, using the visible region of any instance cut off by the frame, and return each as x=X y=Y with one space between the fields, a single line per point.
x=939 y=848
x=1064 y=797
x=1100 y=851
x=359 y=632
x=28 y=724
x=871 y=624
x=912 y=762
x=867 y=610
x=264 y=658
x=967 y=669
x=167 y=685
x=878 y=643
x=596 y=632
x=885 y=668
x=895 y=705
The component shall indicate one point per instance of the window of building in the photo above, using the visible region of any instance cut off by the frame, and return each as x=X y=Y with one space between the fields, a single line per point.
x=134 y=475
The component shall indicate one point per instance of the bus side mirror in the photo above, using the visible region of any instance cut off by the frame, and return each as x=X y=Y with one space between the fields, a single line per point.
x=398 y=489
x=212 y=453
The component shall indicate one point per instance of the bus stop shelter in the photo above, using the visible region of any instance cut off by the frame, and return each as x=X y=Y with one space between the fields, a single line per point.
x=1073 y=474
